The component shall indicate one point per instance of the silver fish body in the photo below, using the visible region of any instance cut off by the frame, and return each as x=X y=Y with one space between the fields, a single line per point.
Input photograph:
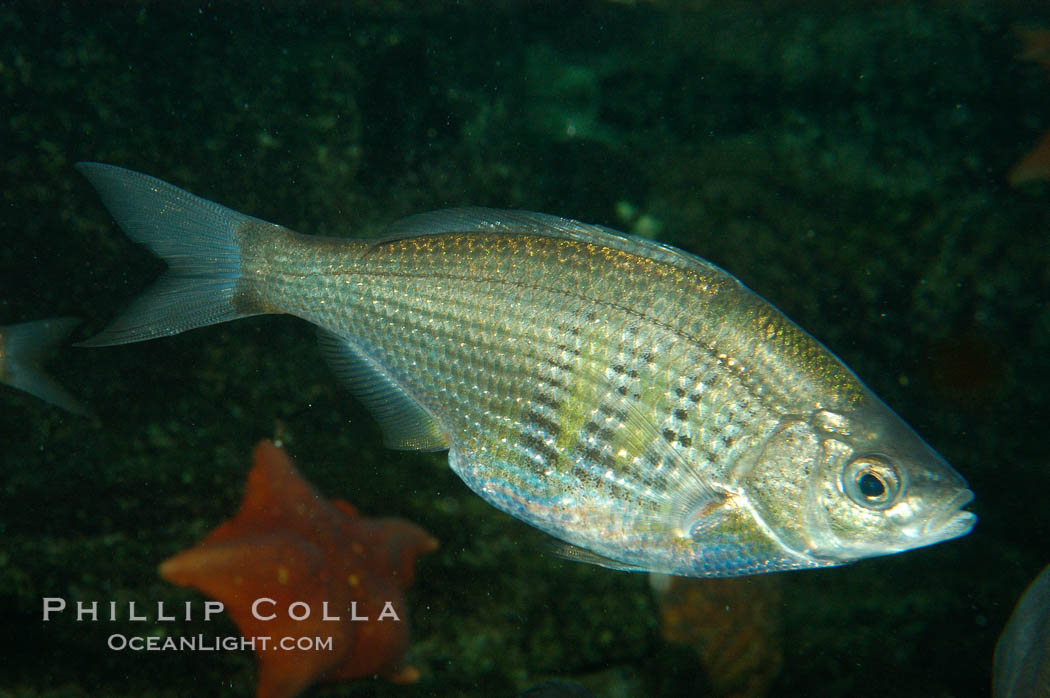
x=1022 y=654
x=634 y=401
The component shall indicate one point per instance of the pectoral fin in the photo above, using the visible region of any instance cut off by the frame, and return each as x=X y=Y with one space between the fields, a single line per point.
x=656 y=476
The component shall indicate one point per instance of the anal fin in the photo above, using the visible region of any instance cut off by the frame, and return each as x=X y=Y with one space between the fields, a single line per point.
x=405 y=425
x=568 y=551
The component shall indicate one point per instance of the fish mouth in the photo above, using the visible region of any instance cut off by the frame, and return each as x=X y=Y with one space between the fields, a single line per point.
x=950 y=521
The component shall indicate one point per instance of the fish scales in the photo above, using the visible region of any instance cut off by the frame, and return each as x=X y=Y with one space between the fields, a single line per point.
x=482 y=374
x=636 y=402
x=544 y=306
x=386 y=301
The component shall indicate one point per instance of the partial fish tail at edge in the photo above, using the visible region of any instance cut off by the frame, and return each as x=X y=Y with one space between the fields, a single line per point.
x=25 y=346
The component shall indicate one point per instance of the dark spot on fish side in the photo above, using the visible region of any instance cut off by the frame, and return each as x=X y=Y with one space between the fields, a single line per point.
x=554 y=382
x=685 y=441
x=566 y=348
x=556 y=364
x=549 y=401
x=603 y=433
x=707 y=454
x=544 y=423
x=669 y=435
x=548 y=455
x=681 y=415
x=656 y=458
x=594 y=454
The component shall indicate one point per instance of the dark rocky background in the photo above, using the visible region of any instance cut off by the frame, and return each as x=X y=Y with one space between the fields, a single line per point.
x=846 y=160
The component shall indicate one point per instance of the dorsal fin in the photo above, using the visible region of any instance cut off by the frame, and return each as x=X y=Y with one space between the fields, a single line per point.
x=495 y=220
x=405 y=425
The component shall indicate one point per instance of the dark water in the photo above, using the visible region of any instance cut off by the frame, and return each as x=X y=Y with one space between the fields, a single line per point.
x=847 y=161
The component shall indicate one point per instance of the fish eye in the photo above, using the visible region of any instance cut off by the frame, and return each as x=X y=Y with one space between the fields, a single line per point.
x=872 y=481
x=871 y=485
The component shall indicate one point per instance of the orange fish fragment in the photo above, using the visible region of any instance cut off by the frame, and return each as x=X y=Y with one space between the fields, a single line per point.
x=1035 y=45
x=1035 y=165
x=292 y=565
x=734 y=626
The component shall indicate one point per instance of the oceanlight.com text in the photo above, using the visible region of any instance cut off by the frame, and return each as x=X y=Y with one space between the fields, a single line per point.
x=217 y=643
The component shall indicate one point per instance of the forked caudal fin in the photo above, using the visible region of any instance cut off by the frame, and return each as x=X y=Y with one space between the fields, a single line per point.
x=24 y=347
x=196 y=237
